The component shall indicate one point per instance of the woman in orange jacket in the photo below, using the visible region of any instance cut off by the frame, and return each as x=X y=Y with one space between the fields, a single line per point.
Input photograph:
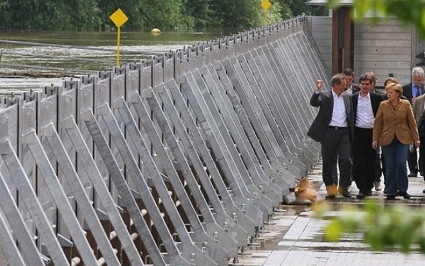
x=395 y=129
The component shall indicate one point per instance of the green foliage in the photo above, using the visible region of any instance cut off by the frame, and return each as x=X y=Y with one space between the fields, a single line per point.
x=89 y=15
x=164 y=14
x=299 y=7
x=410 y=12
x=199 y=12
x=50 y=15
x=236 y=14
x=285 y=11
x=383 y=227
x=276 y=13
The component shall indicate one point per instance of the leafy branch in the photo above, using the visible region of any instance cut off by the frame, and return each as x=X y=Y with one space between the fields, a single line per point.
x=382 y=226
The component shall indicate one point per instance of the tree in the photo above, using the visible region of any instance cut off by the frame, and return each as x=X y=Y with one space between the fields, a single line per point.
x=87 y=18
x=81 y=15
x=166 y=14
x=50 y=15
x=299 y=7
x=236 y=14
x=199 y=11
x=5 y=17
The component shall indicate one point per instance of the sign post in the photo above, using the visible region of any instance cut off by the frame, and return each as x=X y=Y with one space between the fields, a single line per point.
x=265 y=4
x=119 y=18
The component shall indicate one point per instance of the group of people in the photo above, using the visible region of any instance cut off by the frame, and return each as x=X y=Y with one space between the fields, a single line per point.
x=365 y=133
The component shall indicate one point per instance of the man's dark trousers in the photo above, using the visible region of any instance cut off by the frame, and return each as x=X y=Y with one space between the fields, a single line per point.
x=336 y=148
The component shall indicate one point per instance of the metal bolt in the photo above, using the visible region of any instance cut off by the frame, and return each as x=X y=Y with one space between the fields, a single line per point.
x=215 y=236
x=235 y=217
x=226 y=226
x=243 y=207
x=192 y=258
x=204 y=247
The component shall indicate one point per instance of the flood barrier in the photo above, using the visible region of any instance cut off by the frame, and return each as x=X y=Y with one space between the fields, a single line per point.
x=178 y=160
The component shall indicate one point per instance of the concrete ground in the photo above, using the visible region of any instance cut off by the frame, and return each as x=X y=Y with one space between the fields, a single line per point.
x=294 y=237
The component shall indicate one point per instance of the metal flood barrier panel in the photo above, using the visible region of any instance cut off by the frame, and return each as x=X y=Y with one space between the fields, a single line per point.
x=178 y=160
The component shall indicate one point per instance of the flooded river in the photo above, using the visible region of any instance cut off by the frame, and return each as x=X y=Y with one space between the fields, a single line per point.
x=33 y=60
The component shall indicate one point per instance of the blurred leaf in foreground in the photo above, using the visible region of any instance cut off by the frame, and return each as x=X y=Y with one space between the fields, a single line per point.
x=383 y=227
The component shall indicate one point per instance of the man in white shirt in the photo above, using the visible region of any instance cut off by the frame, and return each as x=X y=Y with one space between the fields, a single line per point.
x=365 y=158
x=333 y=127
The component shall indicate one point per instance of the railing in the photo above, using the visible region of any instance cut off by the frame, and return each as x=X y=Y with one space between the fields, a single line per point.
x=179 y=160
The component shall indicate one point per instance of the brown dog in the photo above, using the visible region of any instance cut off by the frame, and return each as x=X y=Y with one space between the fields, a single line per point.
x=304 y=191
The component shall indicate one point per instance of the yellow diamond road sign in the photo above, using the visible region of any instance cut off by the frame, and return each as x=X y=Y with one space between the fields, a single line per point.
x=266 y=4
x=119 y=18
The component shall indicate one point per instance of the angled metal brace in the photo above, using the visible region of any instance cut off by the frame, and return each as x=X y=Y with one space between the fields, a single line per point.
x=189 y=178
x=80 y=195
x=279 y=174
x=174 y=120
x=103 y=192
x=159 y=184
x=64 y=207
x=219 y=147
x=17 y=224
x=247 y=157
x=233 y=206
x=34 y=207
x=123 y=188
x=143 y=189
x=8 y=247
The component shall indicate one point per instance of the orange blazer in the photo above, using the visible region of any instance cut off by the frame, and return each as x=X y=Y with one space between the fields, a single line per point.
x=390 y=123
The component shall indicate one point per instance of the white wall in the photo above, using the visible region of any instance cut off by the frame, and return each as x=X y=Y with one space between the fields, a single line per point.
x=384 y=48
x=321 y=31
x=381 y=48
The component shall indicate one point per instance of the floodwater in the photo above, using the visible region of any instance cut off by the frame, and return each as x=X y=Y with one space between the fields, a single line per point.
x=33 y=60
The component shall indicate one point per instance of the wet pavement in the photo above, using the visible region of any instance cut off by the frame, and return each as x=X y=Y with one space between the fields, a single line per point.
x=294 y=237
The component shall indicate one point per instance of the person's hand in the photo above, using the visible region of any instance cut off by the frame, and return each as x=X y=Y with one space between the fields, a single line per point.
x=374 y=144
x=319 y=84
x=417 y=143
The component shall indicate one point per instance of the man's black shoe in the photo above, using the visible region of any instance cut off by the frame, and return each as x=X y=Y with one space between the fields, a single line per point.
x=404 y=194
x=392 y=197
x=423 y=191
x=346 y=194
x=412 y=175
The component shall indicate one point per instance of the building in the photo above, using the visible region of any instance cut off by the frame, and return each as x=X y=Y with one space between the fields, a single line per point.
x=385 y=48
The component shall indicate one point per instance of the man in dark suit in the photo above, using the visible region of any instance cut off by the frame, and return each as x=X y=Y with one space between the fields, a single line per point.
x=365 y=158
x=333 y=127
x=351 y=86
x=411 y=91
x=419 y=113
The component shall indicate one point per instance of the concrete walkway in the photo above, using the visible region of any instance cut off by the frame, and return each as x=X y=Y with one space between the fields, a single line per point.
x=295 y=238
